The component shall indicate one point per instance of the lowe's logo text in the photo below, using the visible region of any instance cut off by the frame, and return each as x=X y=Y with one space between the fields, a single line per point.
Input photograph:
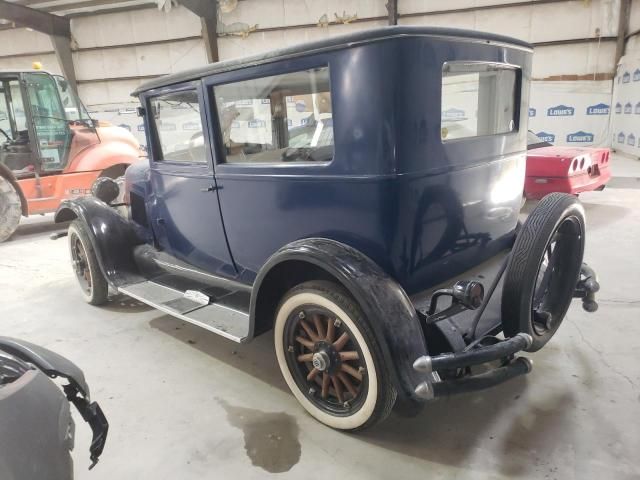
x=580 y=137
x=454 y=114
x=546 y=137
x=598 y=109
x=560 y=111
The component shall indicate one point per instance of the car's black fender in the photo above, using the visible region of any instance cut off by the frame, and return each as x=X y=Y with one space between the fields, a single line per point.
x=385 y=304
x=112 y=236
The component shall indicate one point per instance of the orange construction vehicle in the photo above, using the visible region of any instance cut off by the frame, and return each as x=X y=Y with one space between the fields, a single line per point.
x=50 y=148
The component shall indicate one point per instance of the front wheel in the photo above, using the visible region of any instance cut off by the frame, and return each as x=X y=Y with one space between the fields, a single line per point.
x=330 y=358
x=95 y=289
x=10 y=209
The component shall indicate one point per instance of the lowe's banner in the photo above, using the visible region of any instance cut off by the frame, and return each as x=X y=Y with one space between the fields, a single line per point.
x=571 y=113
x=625 y=120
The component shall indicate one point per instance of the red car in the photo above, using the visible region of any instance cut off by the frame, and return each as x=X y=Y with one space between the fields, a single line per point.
x=564 y=169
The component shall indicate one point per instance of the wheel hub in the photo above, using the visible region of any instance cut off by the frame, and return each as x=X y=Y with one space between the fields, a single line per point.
x=321 y=361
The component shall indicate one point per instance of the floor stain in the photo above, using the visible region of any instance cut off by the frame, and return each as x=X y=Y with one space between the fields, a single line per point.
x=270 y=439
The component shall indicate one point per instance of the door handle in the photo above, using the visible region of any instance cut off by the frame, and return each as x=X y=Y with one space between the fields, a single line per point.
x=210 y=188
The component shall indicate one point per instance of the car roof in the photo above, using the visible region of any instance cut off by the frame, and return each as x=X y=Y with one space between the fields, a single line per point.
x=365 y=36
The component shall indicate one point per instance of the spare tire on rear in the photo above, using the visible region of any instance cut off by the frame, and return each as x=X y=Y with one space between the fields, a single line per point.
x=543 y=269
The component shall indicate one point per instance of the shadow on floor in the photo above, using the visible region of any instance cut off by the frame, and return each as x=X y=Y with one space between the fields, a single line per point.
x=121 y=303
x=447 y=431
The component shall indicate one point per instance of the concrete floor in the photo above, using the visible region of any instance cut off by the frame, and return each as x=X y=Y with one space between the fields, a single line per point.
x=187 y=404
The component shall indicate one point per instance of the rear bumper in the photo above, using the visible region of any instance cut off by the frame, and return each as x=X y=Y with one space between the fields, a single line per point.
x=453 y=372
x=537 y=187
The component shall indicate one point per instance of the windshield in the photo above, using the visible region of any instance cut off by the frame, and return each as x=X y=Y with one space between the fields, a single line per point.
x=533 y=141
x=73 y=108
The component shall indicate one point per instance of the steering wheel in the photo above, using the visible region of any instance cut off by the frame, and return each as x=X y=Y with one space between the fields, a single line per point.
x=193 y=144
x=5 y=134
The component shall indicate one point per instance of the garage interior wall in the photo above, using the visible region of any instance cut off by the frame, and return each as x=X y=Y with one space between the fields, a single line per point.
x=574 y=62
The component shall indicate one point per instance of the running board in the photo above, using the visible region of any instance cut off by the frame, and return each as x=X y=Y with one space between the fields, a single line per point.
x=222 y=317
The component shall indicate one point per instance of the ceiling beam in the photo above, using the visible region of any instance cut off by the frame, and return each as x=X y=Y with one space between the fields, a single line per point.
x=207 y=11
x=392 y=8
x=35 y=19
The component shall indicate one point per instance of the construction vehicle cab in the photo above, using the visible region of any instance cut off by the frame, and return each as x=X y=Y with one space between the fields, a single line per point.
x=50 y=148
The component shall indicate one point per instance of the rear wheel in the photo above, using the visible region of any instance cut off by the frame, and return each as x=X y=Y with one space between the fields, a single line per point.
x=85 y=264
x=543 y=269
x=10 y=209
x=330 y=358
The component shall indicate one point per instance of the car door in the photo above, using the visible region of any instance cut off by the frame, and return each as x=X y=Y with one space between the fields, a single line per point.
x=185 y=211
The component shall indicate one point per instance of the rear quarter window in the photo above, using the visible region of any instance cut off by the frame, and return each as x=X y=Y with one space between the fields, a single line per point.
x=478 y=99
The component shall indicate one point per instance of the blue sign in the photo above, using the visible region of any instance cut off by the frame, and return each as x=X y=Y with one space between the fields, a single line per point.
x=546 y=137
x=454 y=114
x=627 y=107
x=621 y=137
x=141 y=127
x=257 y=124
x=532 y=112
x=618 y=107
x=631 y=140
x=560 y=111
x=580 y=137
x=636 y=75
x=191 y=126
x=125 y=126
x=626 y=77
x=598 y=109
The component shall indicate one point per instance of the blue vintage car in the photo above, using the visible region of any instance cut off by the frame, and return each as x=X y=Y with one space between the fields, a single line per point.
x=356 y=195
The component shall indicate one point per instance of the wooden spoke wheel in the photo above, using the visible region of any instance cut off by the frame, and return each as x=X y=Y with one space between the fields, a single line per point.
x=85 y=265
x=329 y=357
x=325 y=359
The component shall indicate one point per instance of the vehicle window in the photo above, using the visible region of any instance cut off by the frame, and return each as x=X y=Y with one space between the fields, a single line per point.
x=478 y=99
x=73 y=107
x=281 y=118
x=52 y=130
x=178 y=127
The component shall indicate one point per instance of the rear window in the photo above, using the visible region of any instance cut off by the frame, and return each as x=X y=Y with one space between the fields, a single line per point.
x=478 y=99
x=275 y=119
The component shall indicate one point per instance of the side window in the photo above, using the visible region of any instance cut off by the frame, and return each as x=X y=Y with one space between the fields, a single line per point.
x=281 y=118
x=178 y=127
x=478 y=99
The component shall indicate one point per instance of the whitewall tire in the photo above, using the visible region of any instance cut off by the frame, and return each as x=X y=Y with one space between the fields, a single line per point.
x=320 y=332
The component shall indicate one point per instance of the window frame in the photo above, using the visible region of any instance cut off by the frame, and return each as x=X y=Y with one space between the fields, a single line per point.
x=517 y=97
x=237 y=76
x=156 y=156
